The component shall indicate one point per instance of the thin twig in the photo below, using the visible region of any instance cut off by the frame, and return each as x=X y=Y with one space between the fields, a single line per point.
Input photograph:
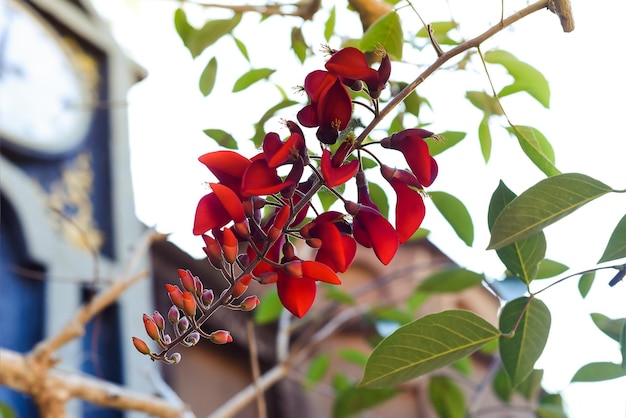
x=256 y=370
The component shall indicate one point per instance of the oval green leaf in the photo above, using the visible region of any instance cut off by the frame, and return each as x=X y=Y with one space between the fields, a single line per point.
x=611 y=327
x=446 y=398
x=353 y=400
x=550 y=268
x=543 y=204
x=598 y=372
x=270 y=308
x=329 y=26
x=536 y=147
x=386 y=31
x=520 y=351
x=585 y=282
x=379 y=197
x=426 y=344
x=252 y=77
x=456 y=214
x=200 y=39
x=616 y=248
x=484 y=137
x=316 y=371
x=298 y=45
x=222 y=138
x=444 y=141
x=207 y=78
x=451 y=281
x=242 y=48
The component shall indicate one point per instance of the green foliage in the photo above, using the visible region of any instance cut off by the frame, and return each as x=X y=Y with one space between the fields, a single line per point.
x=379 y=197
x=353 y=400
x=445 y=140
x=353 y=356
x=425 y=345
x=536 y=147
x=526 y=78
x=484 y=137
x=550 y=268
x=616 y=247
x=386 y=31
x=585 y=282
x=529 y=321
x=441 y=32
x=251 y=77
x=271 y=308
x=222 y=138
x=298 y=45
x=329 y=27
x=543 y=204
x=316 y=371
x=197 y=40
x=451 y=280
x=597 y=372
x=208 y=76
x=259 y=127
x=522 y=258
x=611 y=327
x=446 y=398
x=242 y=48
x=456 y=214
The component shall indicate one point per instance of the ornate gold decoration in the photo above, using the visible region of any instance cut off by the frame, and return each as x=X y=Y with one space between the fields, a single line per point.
x=70 y=200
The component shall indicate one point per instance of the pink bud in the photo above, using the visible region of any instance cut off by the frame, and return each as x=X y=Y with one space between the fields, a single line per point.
x=250 y=303
x=173 y=315
x=207 y=297
x=159 y=320
x=221 y=337
x=183 y=324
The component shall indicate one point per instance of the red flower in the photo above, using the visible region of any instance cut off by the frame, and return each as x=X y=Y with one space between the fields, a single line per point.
x=411 y=143
x=278 y=152
x=372 y=230
x=351 y=64
x=330 y=108
x=260 y=179
x=410 y=209
x=336 y=176
x=338 y=248
x=218 y=208
x=296 y=284
x=227 y=166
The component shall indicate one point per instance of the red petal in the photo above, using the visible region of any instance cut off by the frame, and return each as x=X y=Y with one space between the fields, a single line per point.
x=210 y=214
x=351 y=63
x=320 y=272
x=328 y=255
x=227 y=166
x=410 y=210
x=334 y=107
x=296 y=294
x=230 y=201
x=381 y=234
x=259 y=180
x=271 y=145
x=337 y=176
x=287 y=152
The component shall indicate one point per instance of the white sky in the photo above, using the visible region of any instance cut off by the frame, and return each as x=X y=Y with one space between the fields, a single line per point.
x=584 y=124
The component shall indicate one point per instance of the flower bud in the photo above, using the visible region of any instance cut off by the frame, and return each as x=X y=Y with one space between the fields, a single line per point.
x=268 y=277
x=141 y=346
x=175 y=294
x=183 y=324
x=159 y=320
x=167 y=340
x=250 y=303
x=173 y=315
x=189 y=304
x=207 y=297
x=186 y=279
x=220 y=337
x=230 y=246
x=193 y=338
x=314 y=242
x=151 y=327
x=282 y=215
x=213 y=251
x=174 y=358
x=289 y=252
x=240 y=287
x=197 y=285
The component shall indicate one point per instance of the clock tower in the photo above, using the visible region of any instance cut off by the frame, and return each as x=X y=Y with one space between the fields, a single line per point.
x=68 y=224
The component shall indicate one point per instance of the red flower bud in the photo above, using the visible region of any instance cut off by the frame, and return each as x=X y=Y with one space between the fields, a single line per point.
x=220 y=337
x=159 y=320
x=240 y=287
x=151 y=327
x=173 y=315
x=141 y=346
x=250 y=303
x=268 y=277
x=282 y=215
x=230 y=246
x=175 y=294
x=207 y=297
x=186 y=279
x=189 y=304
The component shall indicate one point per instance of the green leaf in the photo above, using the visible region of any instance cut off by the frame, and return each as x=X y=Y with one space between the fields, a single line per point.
x=316 y=371
x=252 y=77
x=536 y=147
x=522 y=258
x=416 y=300
x=585 y=282
x=440 y=32
x=463 y=366
x=616 y=248
x=392 y=314
x=550 y=268
x=297 y=44
x=269 y=309
x=183 y=28
x=379 y=197
x=386 y=31
x=413 y=103
x=207 y=79
x=450 y=280
x=484 y=137
x=242 y=48
x=502 y=385
x=526 y=78
x=488 y=104
x=520 y=352
x=329 y=27
x=550 y=411
x=259 y=127
x=353 y=356
x=446 y=398
x=200 y=39
x=445 y=140
x=456 y=214
x=426 y=344
x=543 y=204
x=327 y=198
x=611 y=327
x=222 y=138
x=530 y=386
x=353 y=400
x=597 y=372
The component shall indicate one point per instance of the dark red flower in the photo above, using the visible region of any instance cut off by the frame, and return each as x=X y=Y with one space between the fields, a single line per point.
x=296 y=284
x=410 y=209
x=411 y=143
x=336 y=176
x=338 y=248
x=218 y=208
x=259 y=179
x=351 y=64
x=372 y=230
x=330 y=108
x=278 y=152
x=227 y=166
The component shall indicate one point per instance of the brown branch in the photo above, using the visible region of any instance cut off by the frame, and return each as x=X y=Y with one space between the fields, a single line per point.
x=303 y=9
x=20 y=372
x=563 y=9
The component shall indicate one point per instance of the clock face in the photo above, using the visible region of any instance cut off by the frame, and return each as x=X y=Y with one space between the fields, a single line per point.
x=45 y=101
